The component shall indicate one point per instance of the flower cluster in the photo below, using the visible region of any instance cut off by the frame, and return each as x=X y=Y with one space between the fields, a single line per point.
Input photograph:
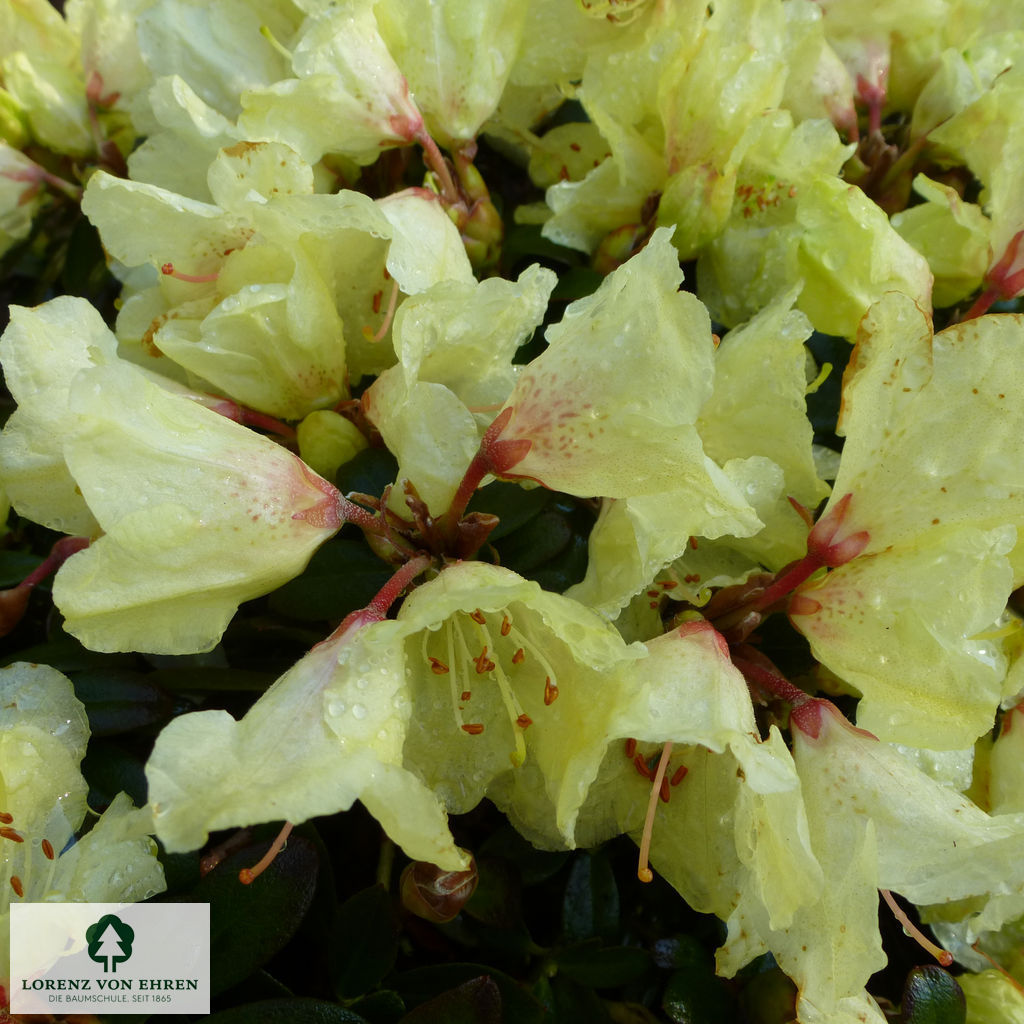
x=291 y=197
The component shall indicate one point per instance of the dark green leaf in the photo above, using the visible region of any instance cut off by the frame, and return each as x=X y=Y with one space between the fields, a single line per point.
x=119 y=700
x=16 y=565
x=823 y=405
x=368 y=473
x=512 y=503
x=603 y=966
x=287 y=1011
x=769 y=997
x=534 y=865
x=383 y=1007
x=695 y=996
x=576 y=1004
x=250 y=923
x=217 y=679
x=496 y=901
x=475 y=1002
x=423 y=983
x=111 y=769
x=364 y=942
x=932 y=996
x=64 y=653
x=342 y=576
x=590 y=908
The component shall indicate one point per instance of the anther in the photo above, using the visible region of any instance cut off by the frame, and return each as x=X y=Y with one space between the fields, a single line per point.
x=631 y=748
x=466 y=694
x=550 y=691
x=19 y=889
x=473 y=728
x=679 y=775
x=438 y=667
x=641 y=766
x=48 y=849
x=248 y=875
x=478 y=616
x=374 y=336
x=9 y=833
x=523 y=721
x=5 y=818
x=506 y=625
x=663 y=790
x=167 y=269
x=519 y=657
x=483 y=663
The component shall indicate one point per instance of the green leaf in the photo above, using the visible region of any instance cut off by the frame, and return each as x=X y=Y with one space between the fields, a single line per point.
x=497 y=900
x=287 y=1011
x=250 y=923
x=365 y=942
x=342 y=576
x=591 y=904
x=603 y=966
x=475 y=1002
x=111 y=769
x=932 y=996
x=425 y=983
x=513 y=504
x=118 y=700
x=695 y=996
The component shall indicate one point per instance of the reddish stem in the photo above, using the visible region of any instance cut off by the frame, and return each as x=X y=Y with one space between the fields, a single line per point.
x=436 y=162
x=757 y=669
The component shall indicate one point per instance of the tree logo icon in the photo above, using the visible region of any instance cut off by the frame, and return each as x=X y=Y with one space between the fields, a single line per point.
x=110 y=942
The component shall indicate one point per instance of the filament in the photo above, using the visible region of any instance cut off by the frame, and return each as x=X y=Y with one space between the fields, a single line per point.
x=643 y=872
x=942 y=955
x=248 y=875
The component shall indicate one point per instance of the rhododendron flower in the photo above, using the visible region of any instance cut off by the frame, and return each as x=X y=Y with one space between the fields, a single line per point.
x=198 y=513
x=638 y=355
x=484 y=685
x=43 y=734
x=931 y=477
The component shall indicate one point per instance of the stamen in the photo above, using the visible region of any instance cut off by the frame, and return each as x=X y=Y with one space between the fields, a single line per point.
x=438 y=667
x=466 y=694
x=167 y=269
x=48 y=849
x=630 y=748
x=523 y=721
x=640 y=764
x=473 y=728
x=942 y=955
x=550 y=691
x=506 y=625
x=478 y=617
x=5 y=818
x=680 y=774
x=519 y=657
x=9 y=833
x=248 y=875
x=483 y=663
x=643 y=872
x=19 y=889
x=663 y=791
x=368 y=332
x=377 y=296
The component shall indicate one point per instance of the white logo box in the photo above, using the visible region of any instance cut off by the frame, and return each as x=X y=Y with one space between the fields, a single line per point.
x=110 y=958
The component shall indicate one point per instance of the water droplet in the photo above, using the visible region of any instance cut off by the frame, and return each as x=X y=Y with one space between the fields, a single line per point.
x=362 y=683
x=335 y=708
x=358 y=711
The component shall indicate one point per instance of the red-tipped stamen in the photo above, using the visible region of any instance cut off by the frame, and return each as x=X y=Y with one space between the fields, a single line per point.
x=438 y=667
x=248 y=875
x=9 y=833
x=643 y=872
x=630 y=748
x=943 y=956
x=19 y=889
x=550 y=691
x=524 y=721
x=374 y=336
x=5 y=818
x=212 y=858
x=47 y=848
x=167 y=269
x=478 y=617
x=473 y=728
